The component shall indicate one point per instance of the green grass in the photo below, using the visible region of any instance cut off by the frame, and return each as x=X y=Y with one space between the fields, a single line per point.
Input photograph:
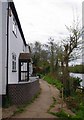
x=77 y=69
x=76 y=104
x=62 y=115
x=52 y=105
x=51 y=80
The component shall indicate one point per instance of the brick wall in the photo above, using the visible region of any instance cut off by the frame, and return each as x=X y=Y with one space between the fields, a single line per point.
x=22 y=93
x=0 y=100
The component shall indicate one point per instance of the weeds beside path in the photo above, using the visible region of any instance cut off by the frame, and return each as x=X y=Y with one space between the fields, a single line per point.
x=38 y=109
x=47 y=102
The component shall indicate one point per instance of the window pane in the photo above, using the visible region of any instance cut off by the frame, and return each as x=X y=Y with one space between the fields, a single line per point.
x=13 y=62
x=13 y=27
x=23 y=66
x=15 y=57
x=15 y=31
x=12 y=56
x=15 y=65
x=23 y=76
x=12 y=65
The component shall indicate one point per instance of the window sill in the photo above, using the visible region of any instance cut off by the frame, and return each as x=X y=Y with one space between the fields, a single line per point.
x=14 y=34
x=23 y=80
x=14 y=71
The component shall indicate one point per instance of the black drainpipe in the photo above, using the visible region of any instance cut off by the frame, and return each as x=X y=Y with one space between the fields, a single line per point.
x=7 y=50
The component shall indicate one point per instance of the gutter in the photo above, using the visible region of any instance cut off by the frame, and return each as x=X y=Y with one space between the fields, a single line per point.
x=7 y=50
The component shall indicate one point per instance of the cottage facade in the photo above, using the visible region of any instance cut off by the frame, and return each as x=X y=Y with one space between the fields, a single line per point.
x=15 y=63
x=83 y=30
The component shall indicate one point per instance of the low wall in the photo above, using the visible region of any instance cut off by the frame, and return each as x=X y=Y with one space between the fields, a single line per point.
x=0 y=100
x=23 y=92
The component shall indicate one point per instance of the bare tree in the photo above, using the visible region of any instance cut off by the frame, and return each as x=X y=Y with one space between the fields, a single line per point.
x=69 y=45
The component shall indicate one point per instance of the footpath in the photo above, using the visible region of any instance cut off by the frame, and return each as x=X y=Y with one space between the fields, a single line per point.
x=39 y=108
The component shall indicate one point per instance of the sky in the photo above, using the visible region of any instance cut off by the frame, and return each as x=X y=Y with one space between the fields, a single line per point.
x=41 y=19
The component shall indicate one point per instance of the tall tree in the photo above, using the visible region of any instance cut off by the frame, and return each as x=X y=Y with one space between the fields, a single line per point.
x=68 y=48
x=53 y=55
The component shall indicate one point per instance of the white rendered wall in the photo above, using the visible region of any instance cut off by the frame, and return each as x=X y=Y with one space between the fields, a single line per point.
x=83 y=29
x=16 y=46
x=1 y=48
x=27 y=49
x=82 y=13
x=4 y=39
x=83 y=38
x=30 y=69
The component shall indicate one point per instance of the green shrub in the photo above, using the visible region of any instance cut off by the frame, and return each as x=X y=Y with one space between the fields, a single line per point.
x=6 y=102
x=72 y=103
x=80 y=113
x=74 y=83
x=63 y=116
x=53 y=81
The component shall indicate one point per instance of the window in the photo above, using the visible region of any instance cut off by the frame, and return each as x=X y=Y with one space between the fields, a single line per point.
x=14 y=27
x=24 y=60
x=24 y=72
x=13 y=62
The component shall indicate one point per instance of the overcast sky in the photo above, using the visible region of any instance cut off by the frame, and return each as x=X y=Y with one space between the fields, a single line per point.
x=41 y=19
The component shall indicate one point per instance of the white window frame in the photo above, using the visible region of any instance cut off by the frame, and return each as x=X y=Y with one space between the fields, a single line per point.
x=13 y=62
x=14 y=27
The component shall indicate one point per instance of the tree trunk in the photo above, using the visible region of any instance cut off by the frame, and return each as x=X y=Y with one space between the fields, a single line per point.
x=66 y=78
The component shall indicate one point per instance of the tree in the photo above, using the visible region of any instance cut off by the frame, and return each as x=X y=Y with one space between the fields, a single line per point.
x=51 y=46
x=68 y=47
x=37 y=53
x=40 y=57
x=53 y=52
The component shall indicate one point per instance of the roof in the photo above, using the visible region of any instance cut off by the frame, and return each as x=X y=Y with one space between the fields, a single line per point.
x=25 y=56
x=12 y=6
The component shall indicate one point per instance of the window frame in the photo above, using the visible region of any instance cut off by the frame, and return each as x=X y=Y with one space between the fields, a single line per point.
x=25 y=72
x=14 y=29
x=14 y=62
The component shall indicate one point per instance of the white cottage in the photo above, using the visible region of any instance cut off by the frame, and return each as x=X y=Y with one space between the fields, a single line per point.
x=83 y=31
x=15 y=61
x=83 y=39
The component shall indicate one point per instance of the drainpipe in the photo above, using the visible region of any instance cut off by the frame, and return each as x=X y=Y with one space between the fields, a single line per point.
x=7 y=50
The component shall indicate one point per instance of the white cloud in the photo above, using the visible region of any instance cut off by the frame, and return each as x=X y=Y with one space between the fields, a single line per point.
x=43 y=18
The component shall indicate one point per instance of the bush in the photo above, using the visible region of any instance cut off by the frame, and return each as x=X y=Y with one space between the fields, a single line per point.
x=6 y=102
x=74 y=84
x=80 y=113
x=63 y=116
x=72 y=103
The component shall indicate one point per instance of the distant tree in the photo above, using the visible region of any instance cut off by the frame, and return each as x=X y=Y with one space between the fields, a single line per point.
x=40 y=57
x=51 y=47
x=37 y=53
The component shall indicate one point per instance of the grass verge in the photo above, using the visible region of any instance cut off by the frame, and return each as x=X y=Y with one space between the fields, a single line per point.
x=52 y=105
x=62 y=115
x=52 y=80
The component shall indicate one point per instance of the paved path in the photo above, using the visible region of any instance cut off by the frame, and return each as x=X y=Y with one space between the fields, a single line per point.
x=38 y=109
